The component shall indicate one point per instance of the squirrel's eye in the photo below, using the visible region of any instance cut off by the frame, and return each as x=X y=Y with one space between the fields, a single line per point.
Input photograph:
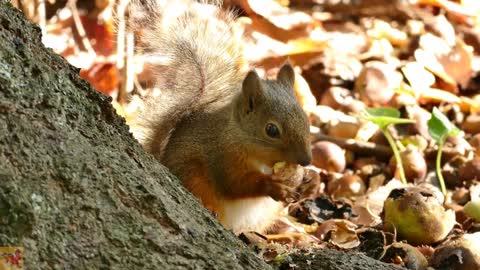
x=272 y=130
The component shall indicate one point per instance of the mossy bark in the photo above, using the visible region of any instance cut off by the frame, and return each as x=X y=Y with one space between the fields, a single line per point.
x=331 y=259
x=78 y=192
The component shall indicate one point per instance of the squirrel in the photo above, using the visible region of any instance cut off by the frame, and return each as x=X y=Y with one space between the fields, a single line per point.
x=218 y=128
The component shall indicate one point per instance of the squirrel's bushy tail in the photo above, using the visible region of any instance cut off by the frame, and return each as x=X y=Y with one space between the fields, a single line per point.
x=195 y=55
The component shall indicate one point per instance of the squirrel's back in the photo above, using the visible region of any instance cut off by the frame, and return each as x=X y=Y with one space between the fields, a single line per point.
x=217 y=127
x=195 y=56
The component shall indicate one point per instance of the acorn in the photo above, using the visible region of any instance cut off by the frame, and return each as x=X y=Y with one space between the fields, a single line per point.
x=409 y=256
x=417 y=215
x=344 y=129
x=472 y=124
x=475 y=143
x=336 y=97
x=361 y=163
x=289 y=173
x=470 y=171
x=459 y=253
x=421 y=117
x=379 y=138
x=348 y=186
x=328 y=156
x=461 y=195
x=376 y=83
x=368 y=168
x=413 y=163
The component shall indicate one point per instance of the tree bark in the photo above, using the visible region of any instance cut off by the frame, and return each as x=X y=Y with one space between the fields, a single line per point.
x=332 y=259
x=78 y=192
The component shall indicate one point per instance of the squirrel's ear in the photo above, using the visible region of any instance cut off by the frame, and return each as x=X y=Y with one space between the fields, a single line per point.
x=286 y=74
x=251 y=90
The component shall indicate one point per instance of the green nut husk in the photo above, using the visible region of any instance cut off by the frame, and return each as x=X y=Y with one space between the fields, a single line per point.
x=417 y=216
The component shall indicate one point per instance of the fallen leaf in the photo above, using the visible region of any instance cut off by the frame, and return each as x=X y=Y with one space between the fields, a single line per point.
x=339 y=232
x=452 y=65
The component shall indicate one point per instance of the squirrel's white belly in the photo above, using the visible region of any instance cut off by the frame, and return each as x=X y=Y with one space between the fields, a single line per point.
x=254 y=214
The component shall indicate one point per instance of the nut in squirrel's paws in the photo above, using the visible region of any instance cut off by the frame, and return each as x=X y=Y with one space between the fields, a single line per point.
x=289 y=174
x=311 y=185
x=291 y=182
x=281 y=192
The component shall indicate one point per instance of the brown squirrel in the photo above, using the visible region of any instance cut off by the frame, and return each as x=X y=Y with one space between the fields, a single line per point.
x=218 y=128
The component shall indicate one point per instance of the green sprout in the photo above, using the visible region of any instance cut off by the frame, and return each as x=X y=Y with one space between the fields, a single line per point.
x=440 y=128
x=383 y=117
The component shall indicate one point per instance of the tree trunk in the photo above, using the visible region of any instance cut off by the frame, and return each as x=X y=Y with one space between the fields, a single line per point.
x=78 y=192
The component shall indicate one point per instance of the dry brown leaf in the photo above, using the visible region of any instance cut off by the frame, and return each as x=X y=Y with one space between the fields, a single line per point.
x=348 y=43
x=103 y=77
x=304 y=94
x=306 y=45
x=324 y=228
x=381 y=49
x=374 y=200
x=366 y=131
x=459 y=12
x=342 y=233
x=429 y=95
x=292 y=238
x=383 y=30
x=278 y=22
x=470 y=105
x=365 y=217
x=452 y=65
x=322 y=115
x=437 y=96
x=442 y=28
x=419 y=78
x=280 y=16
x=101 y=34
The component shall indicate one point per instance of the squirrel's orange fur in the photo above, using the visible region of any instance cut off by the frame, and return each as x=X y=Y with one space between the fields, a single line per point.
x=212 y=123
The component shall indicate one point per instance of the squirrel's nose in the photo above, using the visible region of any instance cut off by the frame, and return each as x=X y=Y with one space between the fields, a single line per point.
x=305 y=159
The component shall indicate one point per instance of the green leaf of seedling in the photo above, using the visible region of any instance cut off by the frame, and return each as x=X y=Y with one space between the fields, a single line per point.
x=440 y=127
x=384 y=116
x=385 y=111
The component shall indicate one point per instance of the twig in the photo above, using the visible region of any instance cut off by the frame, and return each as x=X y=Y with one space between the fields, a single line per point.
x=396 y=9
x=72 y=5
x=28 y=8
x=362 y=148
x=123 y=40
x=138 y=86
x=15 y=3
x=42 y=18
x=127 y=71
